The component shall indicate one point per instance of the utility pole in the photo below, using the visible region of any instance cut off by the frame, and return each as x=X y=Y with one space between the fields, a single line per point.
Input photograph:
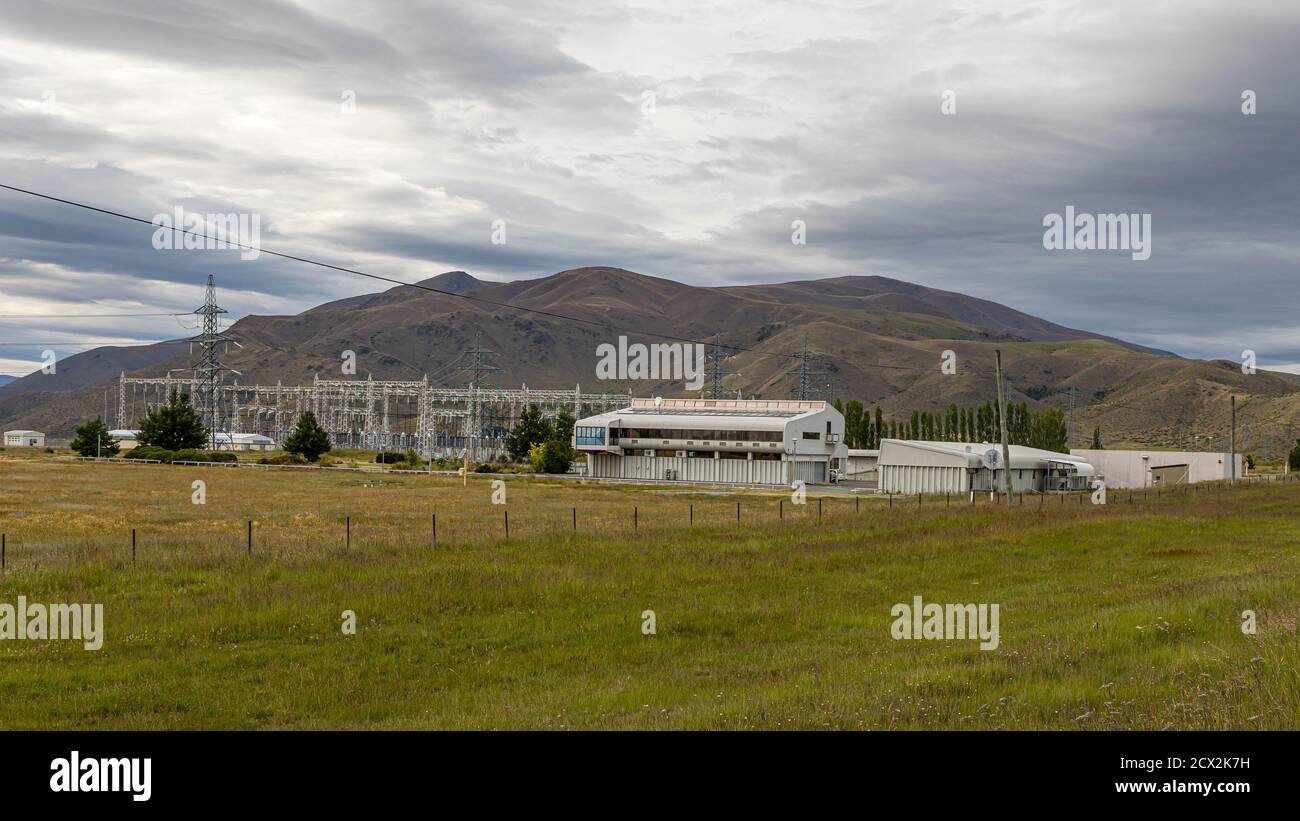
x=1232 y=447
x=1002 y=424
x=1069 y=424
x=803 y=371
x=1245 y=449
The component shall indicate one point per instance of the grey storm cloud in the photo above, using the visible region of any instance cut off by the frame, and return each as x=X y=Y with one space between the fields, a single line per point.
x=678 y=140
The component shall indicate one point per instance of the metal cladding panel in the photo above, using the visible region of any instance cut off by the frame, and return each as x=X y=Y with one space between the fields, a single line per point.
x=924 y=479
x=653 y=468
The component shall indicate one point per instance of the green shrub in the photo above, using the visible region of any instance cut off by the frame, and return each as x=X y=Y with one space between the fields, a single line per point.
x=551 y=456
x=192 y=455
x=390 y=457
x=150 y=452
x=282 y=459
x=186 y=455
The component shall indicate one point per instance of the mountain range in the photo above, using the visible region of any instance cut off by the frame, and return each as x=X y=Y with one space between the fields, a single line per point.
x=875 y=339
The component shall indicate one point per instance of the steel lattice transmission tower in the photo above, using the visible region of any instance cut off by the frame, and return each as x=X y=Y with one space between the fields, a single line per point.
x=805 y=372
x=716 y=357
x=208 y=370
x=478 y=366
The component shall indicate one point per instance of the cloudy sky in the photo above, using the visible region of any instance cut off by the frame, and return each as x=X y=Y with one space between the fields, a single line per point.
x=678 y=139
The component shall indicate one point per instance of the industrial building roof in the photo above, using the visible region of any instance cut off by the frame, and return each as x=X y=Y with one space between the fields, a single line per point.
x=252 y=438
x=709 y=414
x=1022 y=457
x=782 y=408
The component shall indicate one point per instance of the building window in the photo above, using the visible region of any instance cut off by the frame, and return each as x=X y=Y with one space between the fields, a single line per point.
x=811 y=434
x=693 y=435
x=585 y=435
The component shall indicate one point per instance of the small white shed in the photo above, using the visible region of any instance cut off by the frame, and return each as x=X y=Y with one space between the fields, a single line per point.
x=24 y=439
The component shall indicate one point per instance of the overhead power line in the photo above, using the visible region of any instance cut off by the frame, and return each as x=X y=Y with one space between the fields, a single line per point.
x=468 y=296
x=85 y=316
x=108 y=342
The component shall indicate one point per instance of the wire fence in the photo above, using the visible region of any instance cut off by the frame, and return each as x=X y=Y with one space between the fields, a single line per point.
x=454 y=527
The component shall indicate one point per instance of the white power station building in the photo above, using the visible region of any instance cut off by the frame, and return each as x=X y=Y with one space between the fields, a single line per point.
x=1155 y=468
x=912 y=467
x=732 y=441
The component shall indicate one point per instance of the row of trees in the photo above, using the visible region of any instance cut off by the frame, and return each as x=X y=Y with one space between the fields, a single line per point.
x=177 y=425
x=980 y=423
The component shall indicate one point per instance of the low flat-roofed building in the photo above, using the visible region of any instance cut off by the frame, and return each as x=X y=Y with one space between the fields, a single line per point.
x=733 y=441
x=24 y=439
x=1136 y=469
x=912 y=467
x=862 y=464
x=242 y=441
x=126 y=439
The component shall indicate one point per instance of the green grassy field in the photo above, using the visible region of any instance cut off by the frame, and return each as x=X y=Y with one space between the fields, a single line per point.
x=1118 y=616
